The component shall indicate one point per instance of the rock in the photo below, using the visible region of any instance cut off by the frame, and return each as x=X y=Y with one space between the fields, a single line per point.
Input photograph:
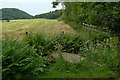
x=72 y=58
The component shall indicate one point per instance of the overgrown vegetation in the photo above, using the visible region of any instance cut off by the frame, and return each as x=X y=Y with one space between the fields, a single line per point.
x=102 y=14
x=19 y=60
x=101 y=55
x=42 y=45
x=33 y=52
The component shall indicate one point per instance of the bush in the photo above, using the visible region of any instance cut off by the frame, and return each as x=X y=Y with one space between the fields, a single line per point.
x=19 y=60
x=8 y=20
x=98 y=14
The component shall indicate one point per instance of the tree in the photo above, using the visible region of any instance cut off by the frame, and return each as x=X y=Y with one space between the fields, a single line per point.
x=13 y=13
x=50 y=15
x=104 y=14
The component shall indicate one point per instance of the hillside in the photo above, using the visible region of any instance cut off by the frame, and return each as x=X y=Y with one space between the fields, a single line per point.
x=50 y=15
x=14 y=13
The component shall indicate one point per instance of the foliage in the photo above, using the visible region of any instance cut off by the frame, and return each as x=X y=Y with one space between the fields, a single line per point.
x=101 y=55
x=70 y=44
x=50 y=15
x=41 y=44
x=55 y=4
x=99 y=14
x=13 y=13
x=19 y=60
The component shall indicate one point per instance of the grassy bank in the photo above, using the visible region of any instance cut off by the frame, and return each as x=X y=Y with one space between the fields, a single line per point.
x=31 y=53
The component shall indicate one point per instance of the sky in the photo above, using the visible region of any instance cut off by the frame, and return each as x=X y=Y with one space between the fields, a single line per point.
x=32 y=7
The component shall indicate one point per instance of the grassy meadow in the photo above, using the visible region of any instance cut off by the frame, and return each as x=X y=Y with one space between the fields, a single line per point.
x=29 y=43
x=16 y=28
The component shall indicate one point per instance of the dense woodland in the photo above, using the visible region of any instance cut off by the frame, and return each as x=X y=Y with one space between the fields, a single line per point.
x=13 y=13
x=50 y=15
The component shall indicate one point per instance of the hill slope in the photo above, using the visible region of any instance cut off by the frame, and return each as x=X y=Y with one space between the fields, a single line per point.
x=14 y=13
x=50 y=15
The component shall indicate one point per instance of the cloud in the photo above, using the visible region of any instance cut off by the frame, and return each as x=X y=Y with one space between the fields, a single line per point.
x=28 y=1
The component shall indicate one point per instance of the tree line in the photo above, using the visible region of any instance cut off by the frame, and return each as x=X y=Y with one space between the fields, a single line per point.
x=101 y=14
x=50 y=15
x=13 y=13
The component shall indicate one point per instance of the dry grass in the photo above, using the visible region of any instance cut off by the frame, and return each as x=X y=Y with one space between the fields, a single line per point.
x=16 y=28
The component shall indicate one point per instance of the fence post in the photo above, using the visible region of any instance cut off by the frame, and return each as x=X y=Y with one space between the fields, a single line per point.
x=118 y=44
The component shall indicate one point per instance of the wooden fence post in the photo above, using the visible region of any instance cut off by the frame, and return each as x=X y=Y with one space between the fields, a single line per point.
x=118 y=55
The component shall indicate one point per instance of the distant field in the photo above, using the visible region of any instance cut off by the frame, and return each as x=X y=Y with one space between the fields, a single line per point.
x=18 y=28
x=15 y=28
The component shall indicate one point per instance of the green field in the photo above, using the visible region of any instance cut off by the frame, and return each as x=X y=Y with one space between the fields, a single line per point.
x=32 y=52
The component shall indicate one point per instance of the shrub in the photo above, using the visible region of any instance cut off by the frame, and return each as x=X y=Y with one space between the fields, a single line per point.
x=19 y=60
x=8 y=20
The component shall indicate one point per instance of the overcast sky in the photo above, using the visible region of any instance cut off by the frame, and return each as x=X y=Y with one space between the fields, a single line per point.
x=32 y=7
